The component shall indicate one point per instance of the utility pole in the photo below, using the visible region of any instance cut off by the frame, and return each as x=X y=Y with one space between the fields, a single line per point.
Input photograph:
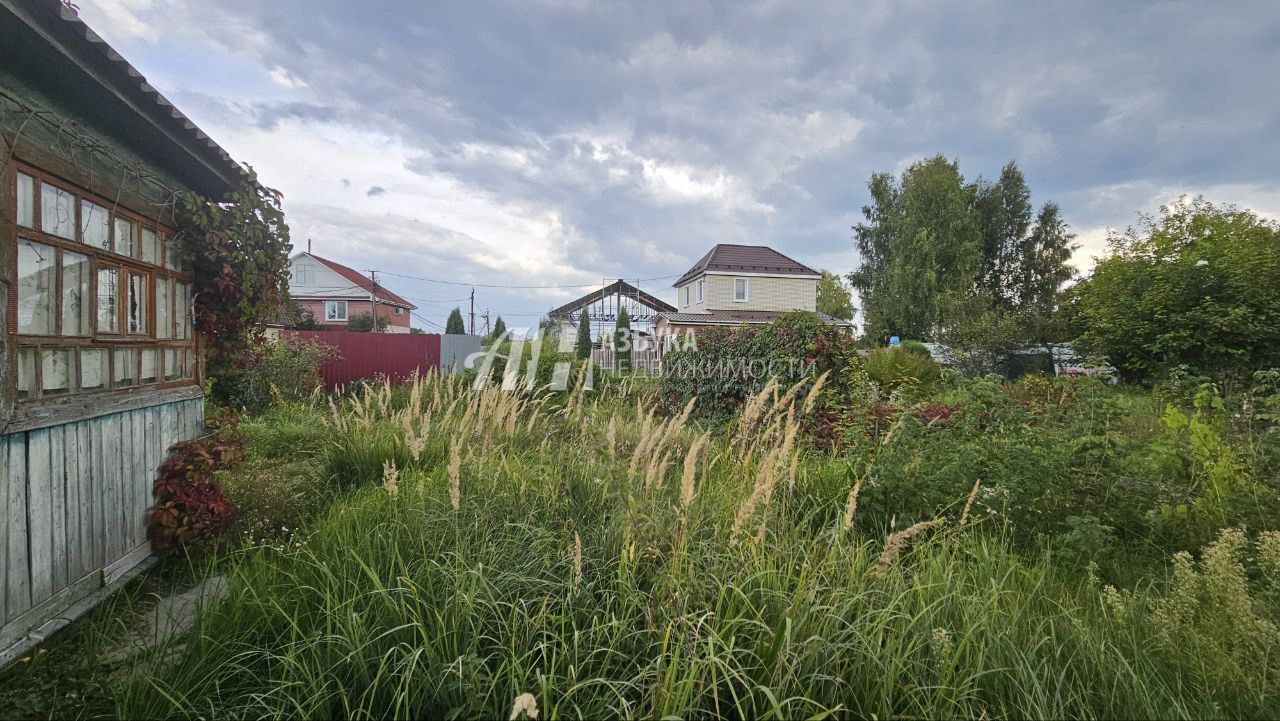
x=485 y=315
x=373 y=298
x=473 y=311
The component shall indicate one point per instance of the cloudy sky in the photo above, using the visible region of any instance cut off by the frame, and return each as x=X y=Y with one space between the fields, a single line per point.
x=560 y=142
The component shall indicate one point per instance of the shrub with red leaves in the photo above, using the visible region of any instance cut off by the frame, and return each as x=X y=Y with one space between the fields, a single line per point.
x=190 y=507
x=936 y=414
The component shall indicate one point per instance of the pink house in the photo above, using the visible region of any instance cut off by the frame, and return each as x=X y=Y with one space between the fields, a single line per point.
x=333 y=293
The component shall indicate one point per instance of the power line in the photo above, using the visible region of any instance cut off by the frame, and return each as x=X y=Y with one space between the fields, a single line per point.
x=517 y=287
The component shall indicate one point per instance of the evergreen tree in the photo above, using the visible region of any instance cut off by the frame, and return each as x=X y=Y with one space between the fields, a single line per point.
x=584 y=335
x=499 y=329
x=622 y=342
x=455 y=326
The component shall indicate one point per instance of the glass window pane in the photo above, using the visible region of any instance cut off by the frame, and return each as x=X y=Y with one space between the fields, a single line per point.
x=37 y=299
x=150 y=362
x=182 y=310
x=188 y=364
x=93 y=369
x=170 y=253
x=26 y=201
x=57 y=212
x=108 y=293
x=125 y=367
x=93 y=225
x=172 y=364
x=136 y=310
x=150 y=246
x=164 y=319
x=55 y=371
x=126 y=237
x=75 y=294
x=26 y=372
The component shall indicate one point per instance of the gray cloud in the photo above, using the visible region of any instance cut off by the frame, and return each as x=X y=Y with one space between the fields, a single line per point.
x=652 y=130
x=376 y=190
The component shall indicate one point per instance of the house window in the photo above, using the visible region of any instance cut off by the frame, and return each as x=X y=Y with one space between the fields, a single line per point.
x=686 y=295
x=57 y=212
x=89 y=284
x=399 y=311
x=700 y=284
x=335 y=310
x=75 y=293
x=26 y=201
x=95 y=228
x=740 y=290
x=304 y=274
x=37 y=283
x=126 y=237
x=150 y=247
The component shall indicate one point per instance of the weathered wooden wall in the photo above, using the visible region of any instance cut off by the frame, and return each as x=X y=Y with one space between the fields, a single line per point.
x=73 y=507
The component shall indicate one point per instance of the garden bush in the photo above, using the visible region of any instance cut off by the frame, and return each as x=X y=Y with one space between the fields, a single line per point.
x=287 y=368
x=894 y=366
x=725 y=367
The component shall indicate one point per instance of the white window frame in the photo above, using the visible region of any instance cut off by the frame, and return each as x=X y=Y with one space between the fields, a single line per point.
x=686 y=296
x=746 y=290
x=335 y=318
x=304 y=274
x=701 y=282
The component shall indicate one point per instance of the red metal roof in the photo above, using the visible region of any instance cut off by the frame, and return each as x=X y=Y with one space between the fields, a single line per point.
x=359 y=279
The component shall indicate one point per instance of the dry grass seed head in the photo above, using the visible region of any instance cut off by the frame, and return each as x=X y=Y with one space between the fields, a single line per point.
x=687 y=477
x=811 y=398
x=896 y=543
x=968 y=504
x=455 y=472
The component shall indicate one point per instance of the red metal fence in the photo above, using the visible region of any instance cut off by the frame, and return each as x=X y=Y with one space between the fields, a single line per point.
x=375 y=355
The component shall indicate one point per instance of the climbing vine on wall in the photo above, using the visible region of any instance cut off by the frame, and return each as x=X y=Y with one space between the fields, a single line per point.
x=239 y=251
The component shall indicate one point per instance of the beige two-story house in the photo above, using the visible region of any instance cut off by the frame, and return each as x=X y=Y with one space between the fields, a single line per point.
x=741 y=284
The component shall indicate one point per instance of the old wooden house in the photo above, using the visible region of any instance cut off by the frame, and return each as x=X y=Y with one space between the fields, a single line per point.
x=99 y=363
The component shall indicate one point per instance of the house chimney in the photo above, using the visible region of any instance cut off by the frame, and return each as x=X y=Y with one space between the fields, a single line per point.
x=308 y=246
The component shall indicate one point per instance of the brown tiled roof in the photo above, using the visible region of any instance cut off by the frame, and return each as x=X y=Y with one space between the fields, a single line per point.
x=728 y=258
x=740 y=317
x=620 y=287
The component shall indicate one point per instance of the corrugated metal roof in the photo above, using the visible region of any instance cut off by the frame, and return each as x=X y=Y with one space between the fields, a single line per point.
x=761 y=259
x=57 y=25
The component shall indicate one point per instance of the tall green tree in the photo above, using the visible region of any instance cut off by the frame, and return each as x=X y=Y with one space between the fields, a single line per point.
x=622 y=341
x=920 y=246
x=834 y=298
x=499 y=329
x=454 y=325
x=584 y=335
x=1198 y=286
x=934 y=248
x=1004 y=215
x=1044 y=266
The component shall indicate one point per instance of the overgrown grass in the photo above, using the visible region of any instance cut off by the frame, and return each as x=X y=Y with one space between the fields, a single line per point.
x=605 y=560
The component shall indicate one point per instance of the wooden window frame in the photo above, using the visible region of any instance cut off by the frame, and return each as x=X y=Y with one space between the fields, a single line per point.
x=99 y=258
